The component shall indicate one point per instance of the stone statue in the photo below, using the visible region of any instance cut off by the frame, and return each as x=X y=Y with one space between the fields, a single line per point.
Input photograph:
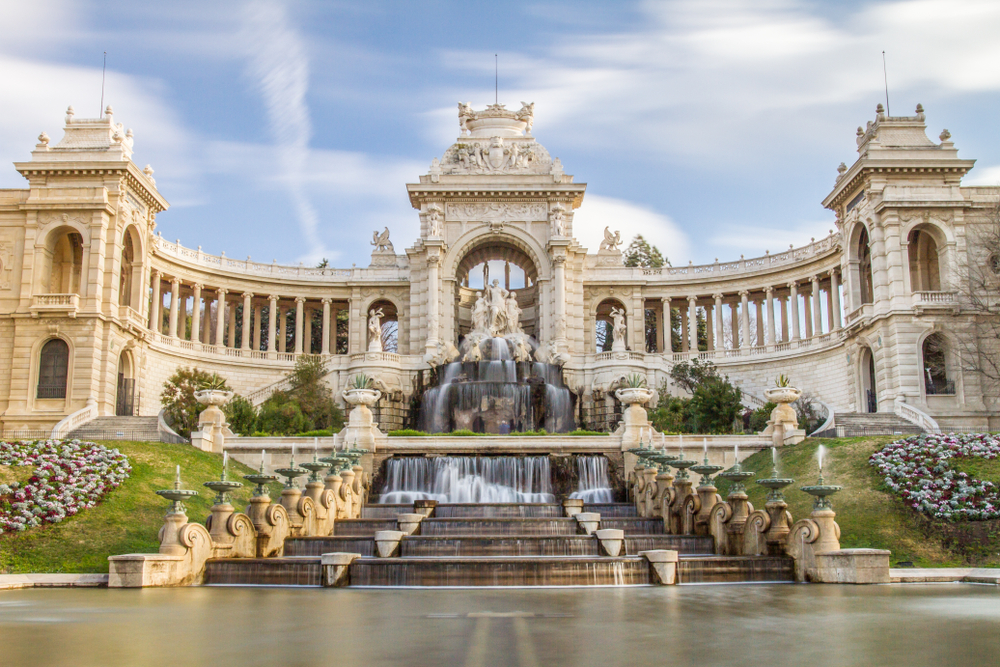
x=434 y=220
x=513 y=315
x=465 y=114
x=611 y=241
x=382 y=242
x=498 y=308
x=527 y=114
x=558 y=218
x=474 y=353
x=618 y=328
x=375 y=329
x=480 y=315
x=521 y=350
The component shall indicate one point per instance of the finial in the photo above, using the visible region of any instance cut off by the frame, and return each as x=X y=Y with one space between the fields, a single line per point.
x=861 y=131
x=842 y=167
x=108 y=111
x=129 y=133
x=69 y=114
x=945 y=135
x=43 y=139
x=879 y=109
x=920 y=108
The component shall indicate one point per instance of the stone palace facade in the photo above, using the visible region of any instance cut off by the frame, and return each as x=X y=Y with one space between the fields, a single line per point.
x=97 y=309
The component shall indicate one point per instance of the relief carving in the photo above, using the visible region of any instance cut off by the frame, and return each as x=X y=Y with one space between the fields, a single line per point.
x=497 y=211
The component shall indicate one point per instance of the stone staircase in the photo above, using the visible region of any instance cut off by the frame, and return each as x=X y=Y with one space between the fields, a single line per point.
x=119 y=428
x=470 y=545
x=849 y=424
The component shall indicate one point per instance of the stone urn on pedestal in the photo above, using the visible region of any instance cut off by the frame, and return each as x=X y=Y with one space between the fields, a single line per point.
x=783 y=426
x=212 y=425
x=634 y=395
x=361 y=427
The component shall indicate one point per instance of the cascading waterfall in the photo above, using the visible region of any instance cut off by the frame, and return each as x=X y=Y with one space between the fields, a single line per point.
x=595 y=486
x=468 y=479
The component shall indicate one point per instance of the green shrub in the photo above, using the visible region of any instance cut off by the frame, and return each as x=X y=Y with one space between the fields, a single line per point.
x=464 y=431
x=261 y=434
x=540 y=431
x=313 y=395
x=581 y=431
x=282 y=416
x=241 y=415
x=321 y=433
x=181 y=408
x=715 y=405
x=407 y=433
x=758 y=420
x=672 y=414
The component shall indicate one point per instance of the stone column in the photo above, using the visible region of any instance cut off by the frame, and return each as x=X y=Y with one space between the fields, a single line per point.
x=299 y=308
x=247 y=307
x=220 y=317
x=307 y=337
x=807 y=314
x=232 y=326
x=256 y=325
x=154 y=307
x=793 y=302
x=560 y=289
x=685 y=336
x=769 y=297
x=693 y=322
x=272 y=323
x=326 y=327
x=196 y=314
x=817 y=307
x=433 y=288
x=735 y=323
x=719 y=337
x=760 y=321
x=206 y=321
x=783 y=304
x=835 y=316
x=175 y=298
x=282 y=329
x=745 y=316
x=710 y=326
x=667 y=326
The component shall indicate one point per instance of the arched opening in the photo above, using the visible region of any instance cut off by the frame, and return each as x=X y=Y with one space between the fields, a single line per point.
x=53 y=369
x=934 y=352
x=64 y=257
x=610 y=312
x=869 y=385
x=925 y=273
x=865 y=267
x=385 y=314
x=127 y=270
x=125 y=400
x=511 y=269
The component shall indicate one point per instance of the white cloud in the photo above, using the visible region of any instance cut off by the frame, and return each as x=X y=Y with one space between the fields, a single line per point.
x=754 y=240
x=983 y=176
x=598 y=212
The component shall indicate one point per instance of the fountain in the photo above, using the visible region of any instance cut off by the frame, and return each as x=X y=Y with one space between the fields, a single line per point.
x=468 y=479
x=594 y=486
x=495 y=387
x=176 y=516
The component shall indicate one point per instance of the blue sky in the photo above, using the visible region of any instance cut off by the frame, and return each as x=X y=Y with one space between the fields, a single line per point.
x=287 y=130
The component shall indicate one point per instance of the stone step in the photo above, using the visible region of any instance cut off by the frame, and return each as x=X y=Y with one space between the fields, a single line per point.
x=118 y=428
x=734 y=569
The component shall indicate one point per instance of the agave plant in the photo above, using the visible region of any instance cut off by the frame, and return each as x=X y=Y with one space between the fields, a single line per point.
x=781 y=381
x=215 y=383
x=634 y=381
x=361 y=381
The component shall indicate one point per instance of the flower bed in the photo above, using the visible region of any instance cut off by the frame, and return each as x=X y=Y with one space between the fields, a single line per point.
x=69 y=476
x=917 y=468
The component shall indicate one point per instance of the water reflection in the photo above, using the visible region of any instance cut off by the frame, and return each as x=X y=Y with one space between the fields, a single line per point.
x=704 y=625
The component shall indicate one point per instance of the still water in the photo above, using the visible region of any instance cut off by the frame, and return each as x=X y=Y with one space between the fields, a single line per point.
x=812 y=625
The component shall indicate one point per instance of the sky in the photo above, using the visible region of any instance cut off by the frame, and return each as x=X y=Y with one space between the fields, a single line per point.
x=288 y=130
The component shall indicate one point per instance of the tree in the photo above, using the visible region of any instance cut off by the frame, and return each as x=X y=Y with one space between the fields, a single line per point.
x=641 y=252
x=180 y=406
x=241 y=415
x=313 y=395
x=689 y=374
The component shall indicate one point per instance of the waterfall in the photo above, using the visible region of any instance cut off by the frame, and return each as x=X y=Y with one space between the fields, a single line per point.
x=594 y=487
x=468 y=479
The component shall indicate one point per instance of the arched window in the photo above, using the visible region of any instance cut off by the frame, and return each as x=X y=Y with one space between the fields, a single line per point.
x=604 y=325
x=934 y=352
x=925 y=274
x=65 y=263
x=53 y=366
x=865 y=268
x=389 y=325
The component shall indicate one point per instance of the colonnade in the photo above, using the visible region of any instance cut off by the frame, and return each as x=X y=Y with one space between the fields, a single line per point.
x=214 y=317
x=781 y=313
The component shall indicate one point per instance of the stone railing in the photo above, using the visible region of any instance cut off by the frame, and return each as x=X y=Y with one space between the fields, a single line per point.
x=915 y=415
x=129 y=314
x=935 y=297
x=815 y=343
x=742 y=265
x=76 y=419
x=56 y=303
x=390 y=357
x=273 y=270
x=627 y=355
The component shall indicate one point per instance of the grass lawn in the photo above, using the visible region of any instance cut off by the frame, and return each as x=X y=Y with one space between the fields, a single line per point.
x=869 y=515
x=129 y=517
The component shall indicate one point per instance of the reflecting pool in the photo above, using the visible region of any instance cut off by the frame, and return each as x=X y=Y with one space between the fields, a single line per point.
x=814 y=625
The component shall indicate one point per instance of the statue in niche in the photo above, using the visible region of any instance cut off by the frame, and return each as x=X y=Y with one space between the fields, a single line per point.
x=375 y=330
x=618 y=328
x=558 y=217
x=480 y=314
x=382 y=242
x=434 y=220
x=611 y=241
x=498 y=308
x=513 y=315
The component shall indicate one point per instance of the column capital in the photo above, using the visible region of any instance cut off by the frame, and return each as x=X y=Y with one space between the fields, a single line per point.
x=718 y=297
x=665 y=299
x=691 y=298
x=247 y=295
x=793 y=284
x=273 y=298
x=769 y=290
x=300 y=299
x=559 y=260
x=327 y=301
x=814 y=279
x=175 y=281
x=744 y=293
x=221 y=292
x=155 y=273
x=833 y=272
x=196 y=286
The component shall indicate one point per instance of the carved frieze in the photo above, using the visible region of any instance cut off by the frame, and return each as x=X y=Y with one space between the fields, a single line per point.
x=496 y=156
x=496 y=211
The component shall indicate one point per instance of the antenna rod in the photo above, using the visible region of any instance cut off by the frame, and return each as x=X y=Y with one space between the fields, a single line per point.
x=885 y=77
x=104 y=71
x=496 y=79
